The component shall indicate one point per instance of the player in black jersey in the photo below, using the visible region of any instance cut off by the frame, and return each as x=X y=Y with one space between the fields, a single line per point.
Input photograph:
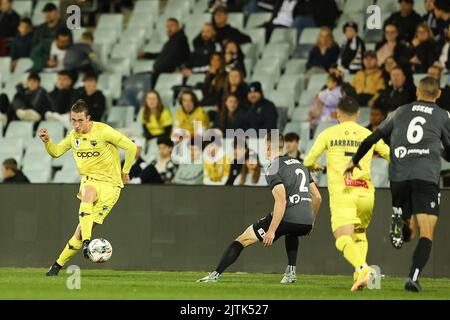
x=415 y=132
x=297 y=202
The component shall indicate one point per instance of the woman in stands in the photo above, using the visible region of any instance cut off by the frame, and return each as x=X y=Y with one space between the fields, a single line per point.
x=424 y=51
x=236 y=85
x=233 y=115
x=251 y=172
x=156 y=119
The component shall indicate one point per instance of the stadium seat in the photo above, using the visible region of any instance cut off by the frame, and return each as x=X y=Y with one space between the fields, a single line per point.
x=285 y=35
x=358 y=6
x=197 y=20
x=258 y=37
x=295 y=66
x=373 y=36
x=1 y=129
x=267 y=81
x=35 y=146
x=309 y=36
x=249 y=65
x=389 y=5
x=120 y=66
x=277 y=50
x=48 y=80
x=292 y=82
x=55 y=129
x=141 y=20
x=121 y=116
x=154 y=46
x=257 y=19
x=282 y=98
x=23 y=8
x=127 y=50
x=301 y=128
x=110 y=21
x=36 y=161
x=269 y=66
x=38 y=176
x=38 y=17
x=300 y=114
x=147 y=6
x=111 y=82
x=152 y=150
x=20 y=129
x=168 y=80
x=66 y=176
x=321 y=127
x=103 y=50
x=380 y=173
x=23 y=65
x=236 y=20
x=10 y=92
x=77 y=34
x=12 y=146
x=5 y=68
x=306 y=98
x=195 y=78
x=417 y=77
x=106 y=36
x=364 y=116
x=133 y=35
x=138 y=66
x=317 y=81
x=250 y=50
x=66 y=160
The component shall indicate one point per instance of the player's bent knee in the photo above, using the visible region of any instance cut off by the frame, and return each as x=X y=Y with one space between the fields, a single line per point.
x=88 y=194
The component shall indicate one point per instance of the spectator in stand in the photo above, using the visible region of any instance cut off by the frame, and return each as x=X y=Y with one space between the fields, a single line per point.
x=94 y=98
x=174 y=54
x=424 y=51
x=81 y=56
x=252 y=173
x=442 y=12
x=21 y=45
x=236 y=85
x=430 y=18
x=156 y=119
x=53 y=23
x=233 y=116
x=325 y=106
x=444 y=59
x=262 y=113
x=139 y=163
x=225 y=31
x=283 y=16
x=392 y=46
x=164 y=165
x=324 y=54
x=9 y=21
x=190 y=113
x=31 y=103
x=214 y=82
x=397 y=94
x=388 y=65
x=347 y=89
x=234 y=57
x=377 y=116
x=62 y=98
x=11 y=172
x=407 y=20
x=49 y=55
x=216 y=165
x=231 y=5
x=190 y=173
x=240 y=149
x=205 y=44
x=352 y=50
x=369 y=81
x=4 y=107
x=292 y=146
x=444 y=100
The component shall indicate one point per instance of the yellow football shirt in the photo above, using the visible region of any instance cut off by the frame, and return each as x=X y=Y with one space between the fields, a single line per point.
x=96 y=153
x=155 y=126
x=340 y=143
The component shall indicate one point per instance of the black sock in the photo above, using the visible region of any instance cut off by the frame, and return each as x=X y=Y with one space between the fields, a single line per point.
x=230 y=256
x=406 y=233
x=420 y=257
x=291 y=243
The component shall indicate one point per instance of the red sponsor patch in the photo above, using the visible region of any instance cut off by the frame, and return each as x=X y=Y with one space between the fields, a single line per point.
x=356 y=183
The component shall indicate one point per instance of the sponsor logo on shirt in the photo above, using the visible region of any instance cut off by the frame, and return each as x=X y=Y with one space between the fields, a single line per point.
x=401 y=152
x=87 y=155
x=93 y=143
x=77 y=143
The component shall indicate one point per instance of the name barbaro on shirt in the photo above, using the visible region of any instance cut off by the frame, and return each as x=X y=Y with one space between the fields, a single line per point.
x=345 y=143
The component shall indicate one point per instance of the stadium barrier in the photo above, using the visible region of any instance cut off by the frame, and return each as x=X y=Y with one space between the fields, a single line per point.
x=183 y=228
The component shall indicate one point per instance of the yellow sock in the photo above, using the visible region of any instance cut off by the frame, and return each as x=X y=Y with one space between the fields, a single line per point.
x=86 y=220
x=360 y=239
x=350 y=251
x=69 y=251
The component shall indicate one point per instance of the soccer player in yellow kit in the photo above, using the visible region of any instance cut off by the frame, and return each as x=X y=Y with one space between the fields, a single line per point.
x=351 y=199
x=95 y=147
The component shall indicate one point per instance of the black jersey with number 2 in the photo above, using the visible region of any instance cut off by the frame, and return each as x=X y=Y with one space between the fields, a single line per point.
x=296 y=180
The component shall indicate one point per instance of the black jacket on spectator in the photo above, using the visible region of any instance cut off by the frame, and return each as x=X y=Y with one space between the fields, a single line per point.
x=4 y=104
x=241 y=93
x=316 y=59
x=430 y=20
x=352 y=53
x=43 y=31
x=96 y=103
x=238 y=121
x=212 y=95
x=262 y=115
x=62 y=100
x=444 y=100
x=442 y=27
x=200 y=57
x=231 y=5
x=174 y=53
x=428 y=53
x=233 y=34
x=18 y=178
x=136 y=170
x=8 y=24
x=79 y=58
x=25 y=99
x=406 y=25
x=21 y=46
x=391 y=99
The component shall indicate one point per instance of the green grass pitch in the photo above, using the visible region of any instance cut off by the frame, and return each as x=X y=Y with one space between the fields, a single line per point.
x=110 y=284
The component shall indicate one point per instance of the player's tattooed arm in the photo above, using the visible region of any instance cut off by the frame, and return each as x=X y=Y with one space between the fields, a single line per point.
x=279 y=194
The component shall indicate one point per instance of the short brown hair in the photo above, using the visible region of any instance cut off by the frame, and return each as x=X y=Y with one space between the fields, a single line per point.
x=348 y=105
x=11 y=164
x=429 y=87
x=80 y=106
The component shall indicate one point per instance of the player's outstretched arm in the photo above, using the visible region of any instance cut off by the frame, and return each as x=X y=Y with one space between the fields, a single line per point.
x=54 y=150
x=316 y=151
x=279 y=194
x=122 y=142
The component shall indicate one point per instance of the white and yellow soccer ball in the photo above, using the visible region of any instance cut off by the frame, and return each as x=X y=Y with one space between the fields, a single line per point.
x=100 y=250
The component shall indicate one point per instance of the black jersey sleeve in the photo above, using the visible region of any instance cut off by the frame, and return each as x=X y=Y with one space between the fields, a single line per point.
x=273 y=180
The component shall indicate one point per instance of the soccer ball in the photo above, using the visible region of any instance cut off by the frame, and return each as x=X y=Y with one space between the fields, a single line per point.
x=100 y=250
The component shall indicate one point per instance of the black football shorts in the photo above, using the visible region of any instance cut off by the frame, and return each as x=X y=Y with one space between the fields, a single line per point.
x=285 y=228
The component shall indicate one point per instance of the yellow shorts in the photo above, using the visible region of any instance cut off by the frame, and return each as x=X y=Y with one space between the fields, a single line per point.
x=352 y=207
x=107 y=196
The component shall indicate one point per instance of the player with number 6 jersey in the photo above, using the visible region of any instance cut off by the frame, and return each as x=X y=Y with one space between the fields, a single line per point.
x=416 y=132
x=297 y=202
x=351 y=198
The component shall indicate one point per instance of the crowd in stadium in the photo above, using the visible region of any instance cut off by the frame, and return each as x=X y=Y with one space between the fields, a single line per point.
x=220 y=88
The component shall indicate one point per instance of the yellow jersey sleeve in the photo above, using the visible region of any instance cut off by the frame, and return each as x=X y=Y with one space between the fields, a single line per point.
x=57 y=150
x=383 y=150
x=119 y=140
x=316 y=151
